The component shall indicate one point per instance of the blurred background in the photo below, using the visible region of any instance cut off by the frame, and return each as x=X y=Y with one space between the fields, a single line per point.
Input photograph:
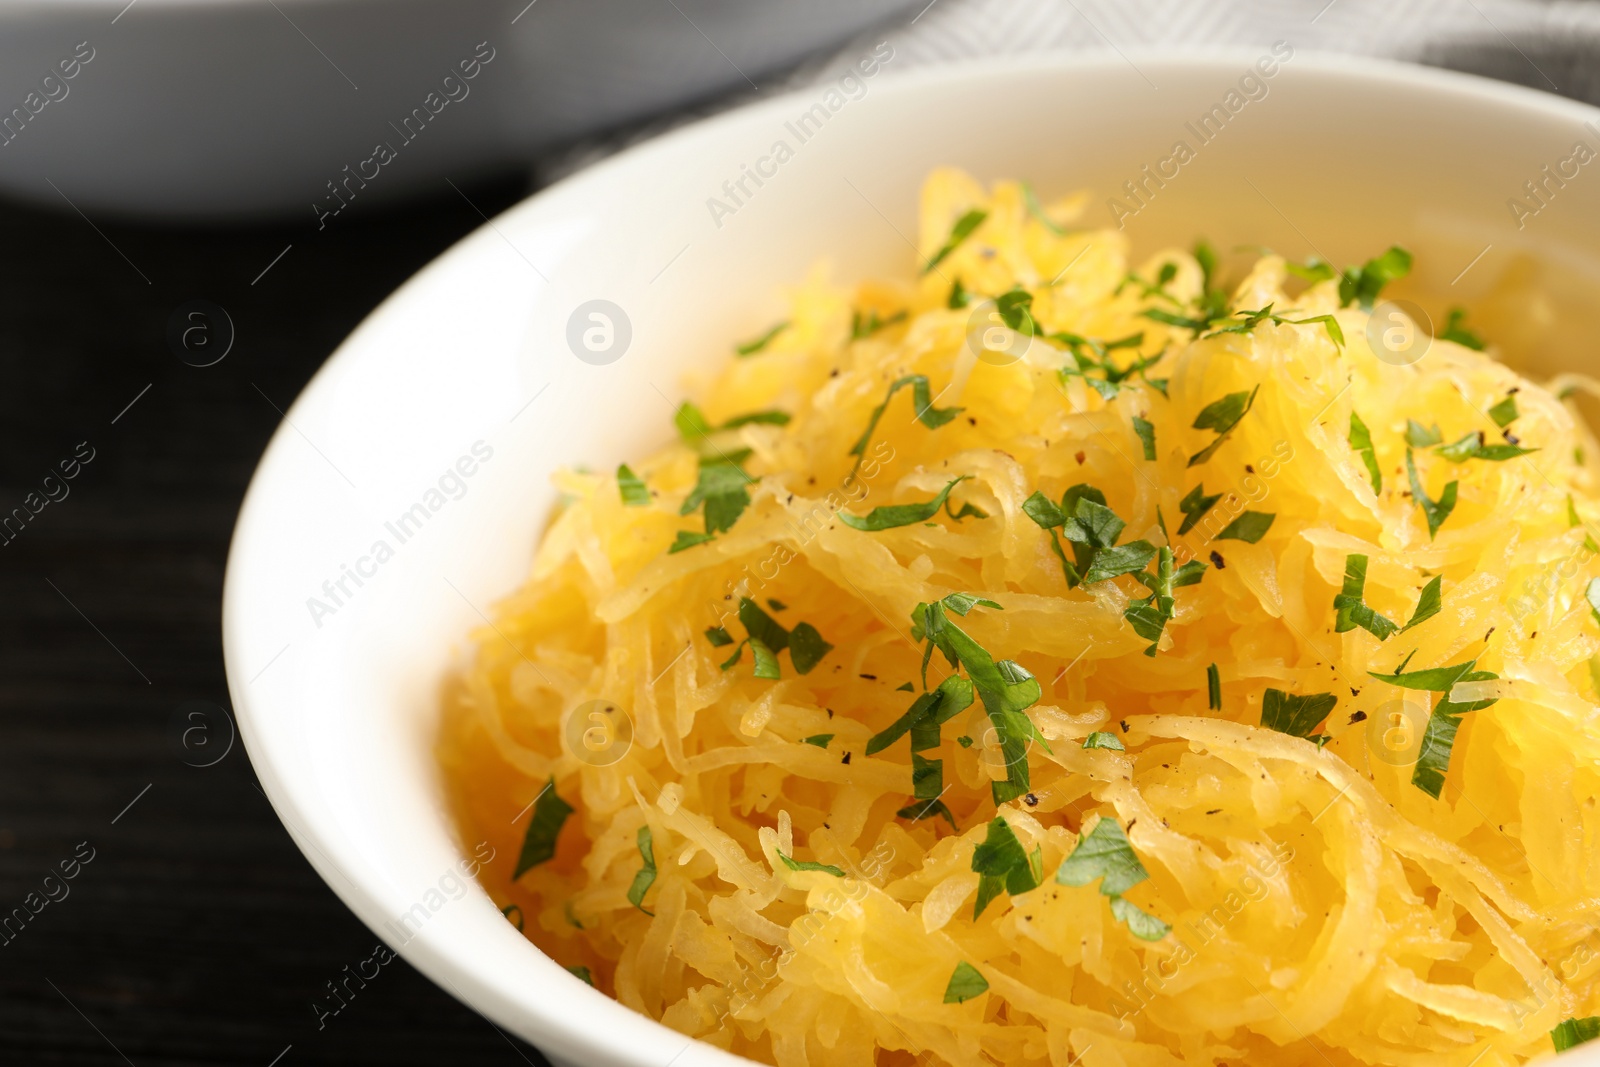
x=198 y=200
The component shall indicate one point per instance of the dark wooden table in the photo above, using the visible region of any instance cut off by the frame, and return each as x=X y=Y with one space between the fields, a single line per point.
x=196 y=934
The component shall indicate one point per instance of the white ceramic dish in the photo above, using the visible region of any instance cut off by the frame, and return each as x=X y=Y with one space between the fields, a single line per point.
x=338 y=710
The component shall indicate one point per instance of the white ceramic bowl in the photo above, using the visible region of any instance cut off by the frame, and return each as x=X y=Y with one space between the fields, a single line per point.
x=339 y=710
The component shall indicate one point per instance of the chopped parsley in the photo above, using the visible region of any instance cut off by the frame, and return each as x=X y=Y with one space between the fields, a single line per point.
x=1455 y=331
x=1213 y=301
x=1107 y=855
x=895 y=515
x=808 y=865
x=927 y=810
x=1435 y=511
x=965 y=984
x=1036 y=209
x=959 y=297
x=1101 y=739
x=1093 y=528
x=1314 y=270
x=1574 y=520
x=958 y=233
x=1221 y=416
x=1439 y=737
x=582 y=973
x=1213 y=688
x=1251 y=319
x=1165 y=317
x=1361 y=441
x=1428 y=604
x=767 y=637
x=1361 y=285
x=759 y=344
x=863 y=326
x=1420 y=436
x=1250 y=527
x=1505 y=412
x=921 y=403
x=819 y=740
x=771 y=417
x=632 y=488
x=1431 y=680
x=766 y=660
x=1090 y=354
x=1003 y=865
x=539 y=843
x=1147 y=436
x=927 y=713
x=691 y=423
x=647 y=871
x=1149 y=615
x=718 y=636
x=1571 y=1032
x=1352 y=609
x=1005 y=687
x=688 y=539
x=1473 y=446
x=1296 y=715
x=1015 y=308
x=1194 y=506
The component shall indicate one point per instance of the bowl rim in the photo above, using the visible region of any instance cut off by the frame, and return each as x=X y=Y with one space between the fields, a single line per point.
x=252 y=708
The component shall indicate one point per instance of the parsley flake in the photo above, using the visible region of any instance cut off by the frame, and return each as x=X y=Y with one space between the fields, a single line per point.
x=1093 y=528
x=1428 y=604
x=647 y=872
x=1213 y=688
x=895 y=515
x=808 y=865
x=767 y=637
x=759 y=344
x=864 y=326
x=1435 y=511
x=1221 y=416
x=819 y=740
x=539 y=843
x=921 y=403
x=1361 y=442
x=1101 y=739
x=965 y=984
x=1439 y=736
x=1473 y=446
x=688 y=539
x=1004 y=866
x=1296 y=715
x=632 y=489
x=1571 y=1032
x=1250 y=527
x=1455 y=331
x=959 y=232
x=1005 y=687
x=1505 y=412
x=1194 y=506
x=1106 y=854
x=1147 y=436
x=1363 y=284
x=1420 y=436
x=1352 y=609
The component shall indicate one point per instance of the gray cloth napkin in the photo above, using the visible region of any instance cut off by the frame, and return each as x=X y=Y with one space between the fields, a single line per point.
x=1552 y=45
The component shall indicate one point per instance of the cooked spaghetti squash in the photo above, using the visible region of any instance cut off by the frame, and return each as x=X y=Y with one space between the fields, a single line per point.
x=1052 y=658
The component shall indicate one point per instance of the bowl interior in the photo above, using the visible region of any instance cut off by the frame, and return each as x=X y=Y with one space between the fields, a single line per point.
x=405 y=491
